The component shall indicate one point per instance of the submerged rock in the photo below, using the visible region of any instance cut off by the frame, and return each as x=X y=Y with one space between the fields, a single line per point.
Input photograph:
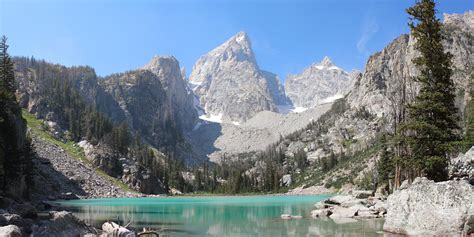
x=429 y=208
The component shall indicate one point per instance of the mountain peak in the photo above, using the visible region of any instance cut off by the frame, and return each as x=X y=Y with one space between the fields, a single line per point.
x=158 y=61
x=326 y=62
x=239 y=40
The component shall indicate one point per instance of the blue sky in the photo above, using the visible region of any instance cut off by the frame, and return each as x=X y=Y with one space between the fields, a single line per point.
x=287 y=35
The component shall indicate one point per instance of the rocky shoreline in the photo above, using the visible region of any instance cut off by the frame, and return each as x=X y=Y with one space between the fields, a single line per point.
x=345 y=208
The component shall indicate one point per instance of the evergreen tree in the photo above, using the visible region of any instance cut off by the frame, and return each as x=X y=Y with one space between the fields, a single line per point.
x=433 y=118
x=7 y=77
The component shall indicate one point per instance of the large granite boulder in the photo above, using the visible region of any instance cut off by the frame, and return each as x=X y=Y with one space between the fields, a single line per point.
x=10 y=231
x=429 y=208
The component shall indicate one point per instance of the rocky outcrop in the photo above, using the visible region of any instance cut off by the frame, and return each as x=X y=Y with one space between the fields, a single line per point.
x=142 y=97
x=319 y=83
x=179 y=96
x=429 y=208
x=36 y=80
x=230 y=84
x=15 y=157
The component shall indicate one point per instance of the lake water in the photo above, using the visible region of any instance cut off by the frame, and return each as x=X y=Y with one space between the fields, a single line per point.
x=220 y=216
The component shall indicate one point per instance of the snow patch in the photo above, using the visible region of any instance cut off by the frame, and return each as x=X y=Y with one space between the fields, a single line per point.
x=299 y=109
x=212 y=118
x=331 y=98
x=334 y=68
x=236 y=123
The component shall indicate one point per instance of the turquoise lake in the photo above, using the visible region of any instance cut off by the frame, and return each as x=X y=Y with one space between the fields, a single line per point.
x=220 y=216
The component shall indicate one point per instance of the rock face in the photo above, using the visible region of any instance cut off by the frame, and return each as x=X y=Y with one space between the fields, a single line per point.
x=14 y=150
x=230 y=84
x=430 y=208
x=143 y=99
x=35 y=80
x=319 y=83
x=379 y=89
x=179 y=95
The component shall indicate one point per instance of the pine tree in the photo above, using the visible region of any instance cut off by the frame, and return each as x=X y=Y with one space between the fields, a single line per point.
x=432 y=120
x=7 y=77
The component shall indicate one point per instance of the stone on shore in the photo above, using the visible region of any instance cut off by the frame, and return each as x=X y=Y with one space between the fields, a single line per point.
x=63 y=224
x=10 y=231
x=116 y=230
x=342 y=212
x=429 y=208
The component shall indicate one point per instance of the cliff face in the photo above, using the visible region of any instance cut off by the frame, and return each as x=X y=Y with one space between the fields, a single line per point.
x=14 y=151
x=179 y=96
x=144 y=102
x=35 y=78
x=230 y=84
x=379 y=90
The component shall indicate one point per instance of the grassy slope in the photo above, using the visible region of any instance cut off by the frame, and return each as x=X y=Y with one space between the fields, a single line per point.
x=76 y=152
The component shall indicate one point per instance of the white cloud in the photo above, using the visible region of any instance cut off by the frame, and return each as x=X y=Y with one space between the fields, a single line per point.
x=369 y=29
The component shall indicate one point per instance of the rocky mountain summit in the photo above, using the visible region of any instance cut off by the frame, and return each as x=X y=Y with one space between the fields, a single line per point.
x=230 y=84
x=319 y=83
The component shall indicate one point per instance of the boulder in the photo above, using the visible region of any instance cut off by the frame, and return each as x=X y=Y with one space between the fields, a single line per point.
x=342 y=212
x=116 y=230
x=321 y=213
x=10 y=231
x=63 y=224
x=286 y=180
x=429 y=208
x=346 y=201
x=14 y=219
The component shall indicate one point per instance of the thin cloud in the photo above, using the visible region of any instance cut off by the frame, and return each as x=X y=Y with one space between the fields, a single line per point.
x=369 y=29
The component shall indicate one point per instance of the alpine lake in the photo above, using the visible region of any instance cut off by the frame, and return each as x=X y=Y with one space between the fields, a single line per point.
x=221 y=216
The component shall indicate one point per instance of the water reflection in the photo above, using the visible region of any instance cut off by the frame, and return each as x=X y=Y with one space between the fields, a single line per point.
x=221 y=216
